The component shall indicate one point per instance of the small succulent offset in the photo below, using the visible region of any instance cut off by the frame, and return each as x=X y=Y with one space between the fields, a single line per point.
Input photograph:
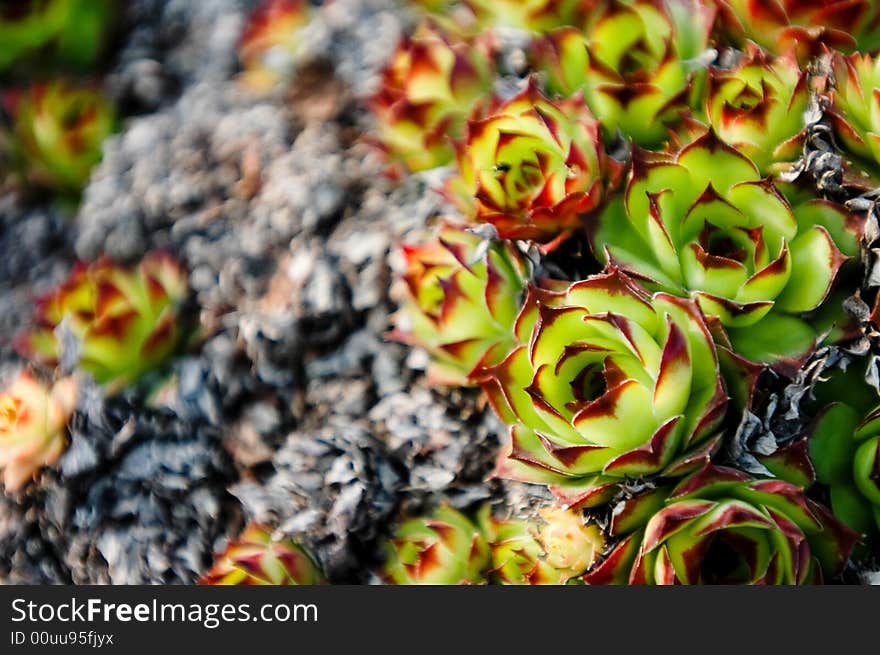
x=462 y=297
x=758 y=107
x=445 y=548
x=549 y=551
x=256 y=558
x=612 y=384
x=268 y=46
x=845 y=450
x=803 y=25
x=533 y=168
x=114 y=322
x=429 y=89
x=719 y=526
x=639 y=64
x=855 y=109
x=57 y=133
x=33 y=421
x=66 y=32
x=705 y=224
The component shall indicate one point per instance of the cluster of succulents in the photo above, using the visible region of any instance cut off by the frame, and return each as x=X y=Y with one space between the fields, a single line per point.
x=643 y=240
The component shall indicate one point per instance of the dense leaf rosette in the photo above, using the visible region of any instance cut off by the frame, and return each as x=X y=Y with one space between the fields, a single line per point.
x=758 y=107
x=33 y=421
x=70 y=33
x=637 y=63
x=611 y=384
x=534 y=167
x=115 y=322
x=719 y=526
x=429 y=89
x=550 y=551
x=57 y=133
x=462 y=298
x=256 y=558
x=855 y=110
x=269 y=43
x=845 y=449
x=803 y=25
x=705 y=224
x=445 y=548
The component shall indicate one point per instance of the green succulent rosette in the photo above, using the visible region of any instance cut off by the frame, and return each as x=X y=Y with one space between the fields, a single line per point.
x=117 y=322
x=845 y=450
x=758 y=107
x=534 y=168
x=70 y=33
x=432 y=84
x=802 y=26
x=256 y=558
x=445 y=548
x=610 y=383
x=550 y=550
x=461 y=297
x=637 y=63
x=855 y=108
x=719 y=526
x=704 y=224
x=57 y=133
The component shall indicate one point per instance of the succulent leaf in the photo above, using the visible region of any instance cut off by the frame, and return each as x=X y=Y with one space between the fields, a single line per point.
x=256 y=558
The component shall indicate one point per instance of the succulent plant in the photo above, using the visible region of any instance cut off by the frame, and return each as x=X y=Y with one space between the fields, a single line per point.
x=758 y=107
x=114 y=322
x=445 y=548
x=57 y=133
x=845 y=450
x=462 y=297
x=33 y=426
x=256 y=558
x=638 y=63
x=431 y=86
x=705 y=224
x=475 y=16
x=855 y=109
x=803 y=25
x=612 y=384
x=533 y=168
x=70 y=33
x=269 y=43
x=550 y=551
x=719 y=526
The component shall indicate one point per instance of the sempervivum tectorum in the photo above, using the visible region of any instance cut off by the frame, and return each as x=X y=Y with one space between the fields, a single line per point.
x=705 y=224
x=268 y=45
x=33 y=427
x=845 y=450
x=803 y=25
x=719 y=526
x=112 y=321
x=429 y=89
x=462 y=297
x=613 y=384
x=445 y=548
x=855 y=109
x=758 y=106
x=637 y=63
x=60 y=32
x=547 y=551
x=57 y=133
x=533 y=168
x=256 y=558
